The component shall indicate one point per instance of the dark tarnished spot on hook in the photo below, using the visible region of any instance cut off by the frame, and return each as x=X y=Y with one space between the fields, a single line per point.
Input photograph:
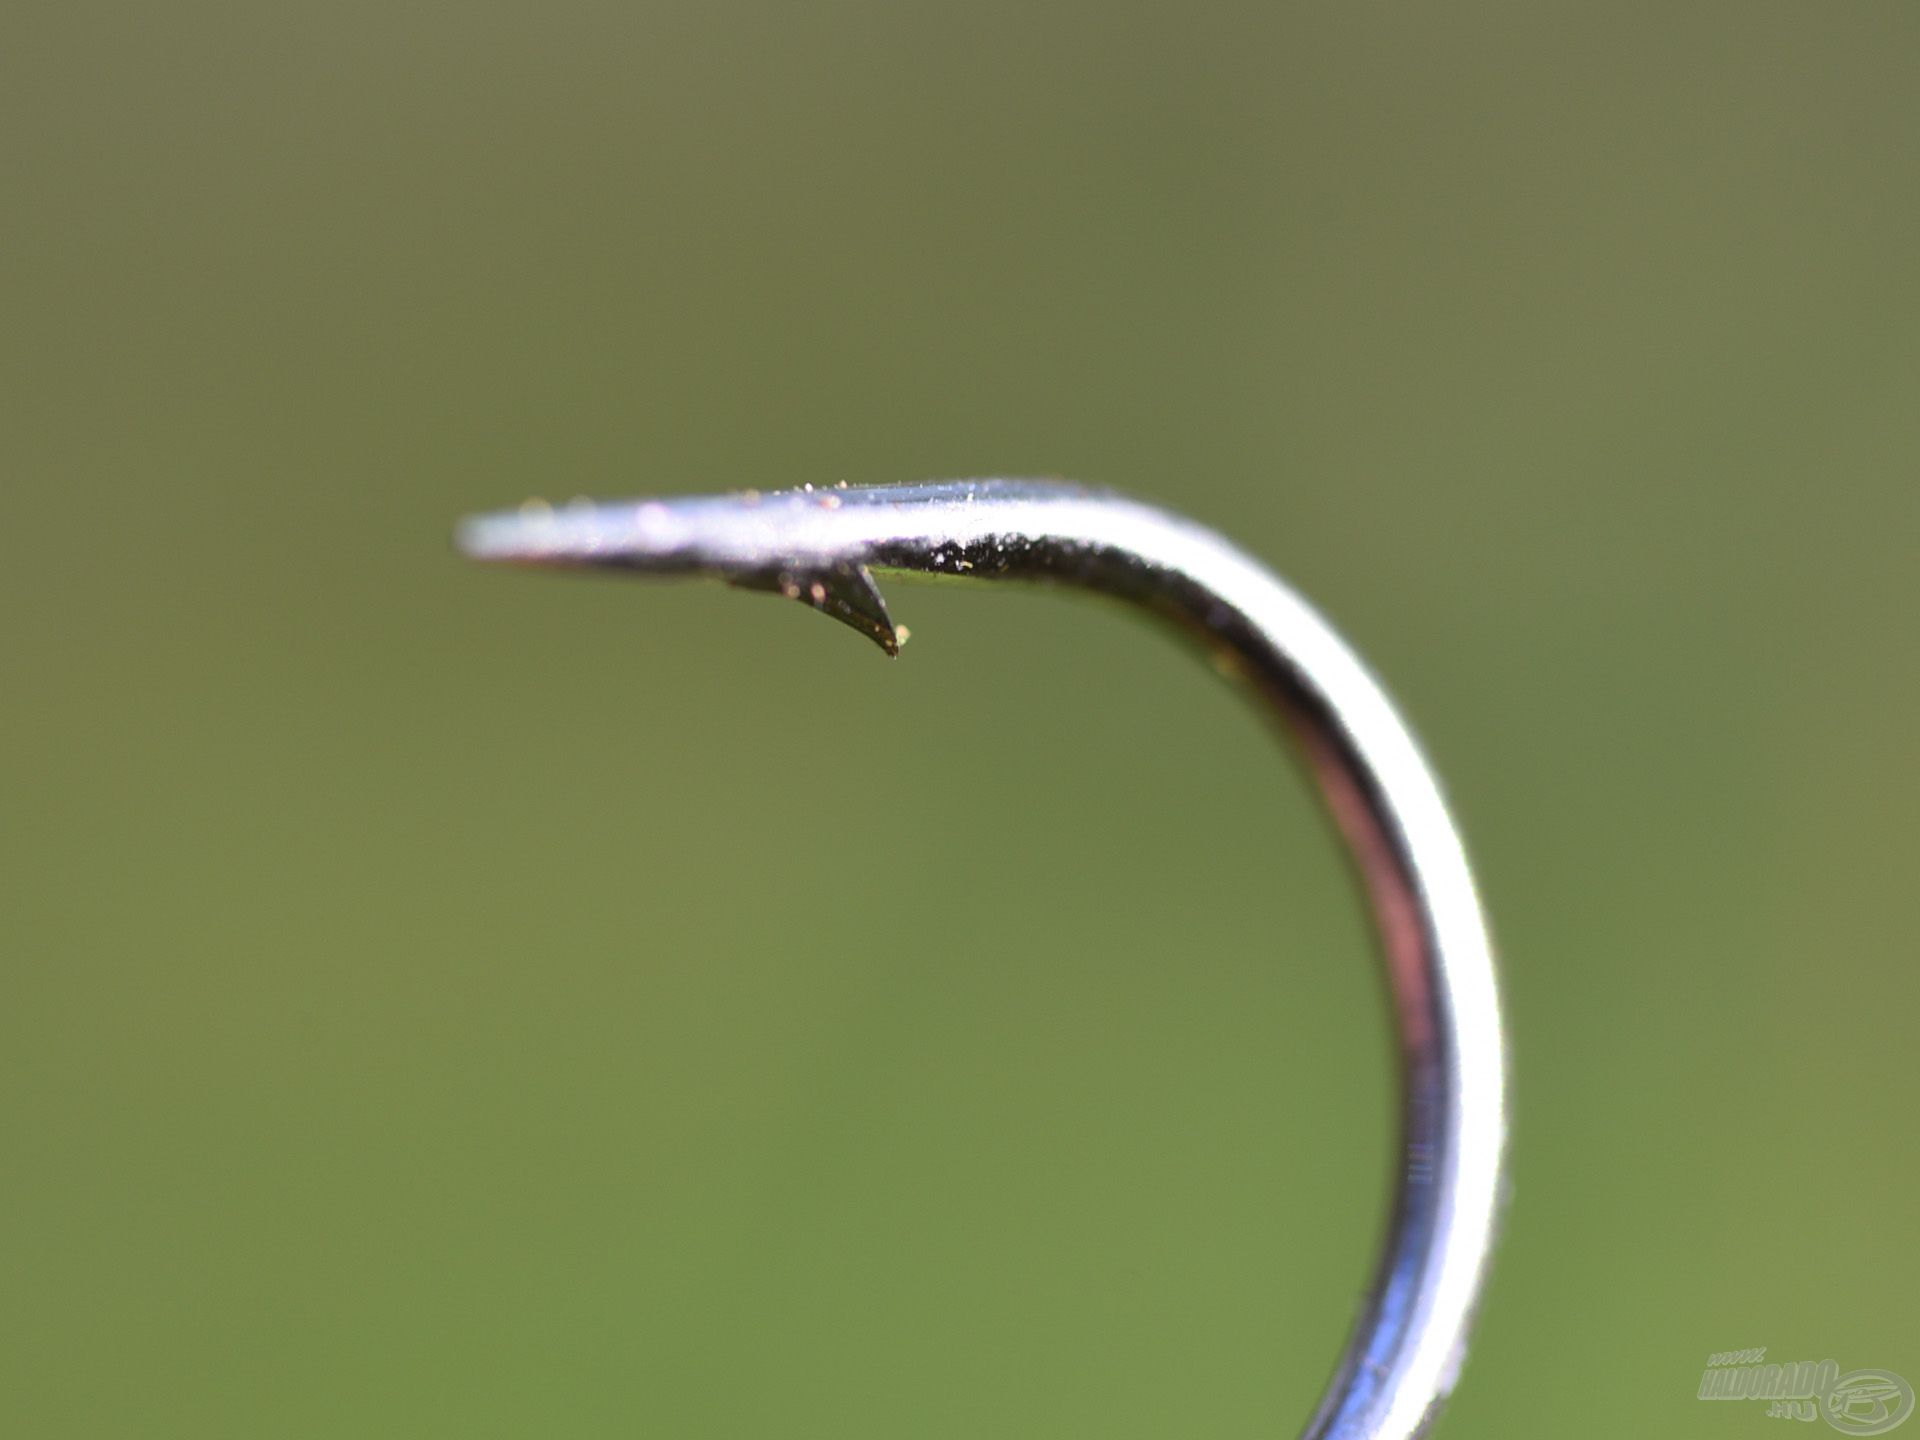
x=845 y=592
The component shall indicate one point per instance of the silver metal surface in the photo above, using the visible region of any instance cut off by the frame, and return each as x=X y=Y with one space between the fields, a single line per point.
x=824 y=546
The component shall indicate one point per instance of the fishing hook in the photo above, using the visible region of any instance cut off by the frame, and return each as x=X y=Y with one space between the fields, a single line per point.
x=823 y=547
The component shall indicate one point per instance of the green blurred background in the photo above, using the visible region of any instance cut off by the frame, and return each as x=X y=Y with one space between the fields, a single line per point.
x=447 y=1003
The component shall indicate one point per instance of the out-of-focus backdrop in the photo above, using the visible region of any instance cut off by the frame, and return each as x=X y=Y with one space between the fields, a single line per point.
x=447 y=1003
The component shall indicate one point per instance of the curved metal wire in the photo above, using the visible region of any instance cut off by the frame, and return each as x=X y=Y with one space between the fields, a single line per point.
x=823 y=547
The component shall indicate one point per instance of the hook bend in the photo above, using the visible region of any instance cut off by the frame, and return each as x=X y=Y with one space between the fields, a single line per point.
x=823 y=547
